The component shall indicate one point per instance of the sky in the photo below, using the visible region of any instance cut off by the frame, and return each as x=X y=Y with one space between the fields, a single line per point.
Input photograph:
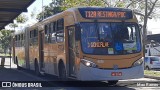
x=153 y=25
x=37 y=8
x=38 y=5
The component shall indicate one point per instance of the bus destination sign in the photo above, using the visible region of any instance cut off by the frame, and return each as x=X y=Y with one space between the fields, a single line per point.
x=105 y=13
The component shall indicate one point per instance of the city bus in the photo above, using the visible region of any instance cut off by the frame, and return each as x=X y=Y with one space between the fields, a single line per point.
x=85 y=43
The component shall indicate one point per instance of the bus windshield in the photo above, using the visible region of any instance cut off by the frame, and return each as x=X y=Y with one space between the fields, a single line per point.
x=110 y=38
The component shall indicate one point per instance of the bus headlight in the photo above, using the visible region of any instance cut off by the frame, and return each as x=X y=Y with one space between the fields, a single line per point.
x=138 y=62
x=88 y=63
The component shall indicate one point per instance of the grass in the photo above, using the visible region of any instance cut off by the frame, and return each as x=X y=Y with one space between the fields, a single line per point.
x=152 y=73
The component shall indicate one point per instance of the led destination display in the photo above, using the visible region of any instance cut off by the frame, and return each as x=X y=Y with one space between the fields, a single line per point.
x=106 y=13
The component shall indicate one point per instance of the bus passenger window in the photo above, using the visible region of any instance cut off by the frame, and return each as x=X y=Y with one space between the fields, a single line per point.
x=19 y=38
x=60 y=30
x=53 y=32
x=16 y=40
x=22 y=39
x=46 y=33
x=35 y=39
x=60 y=24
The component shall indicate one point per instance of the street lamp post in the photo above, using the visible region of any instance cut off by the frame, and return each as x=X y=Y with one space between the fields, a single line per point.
x=42 y=11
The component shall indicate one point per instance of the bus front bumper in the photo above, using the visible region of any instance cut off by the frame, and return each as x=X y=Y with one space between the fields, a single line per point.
x=94 y=74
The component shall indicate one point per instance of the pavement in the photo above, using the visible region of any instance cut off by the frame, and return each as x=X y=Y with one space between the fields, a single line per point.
x=9 y=64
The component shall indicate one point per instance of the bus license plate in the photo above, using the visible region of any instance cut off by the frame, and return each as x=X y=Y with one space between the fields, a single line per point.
x=116 y=73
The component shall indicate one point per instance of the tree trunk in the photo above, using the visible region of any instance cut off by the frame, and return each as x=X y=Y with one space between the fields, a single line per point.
x=145 y=27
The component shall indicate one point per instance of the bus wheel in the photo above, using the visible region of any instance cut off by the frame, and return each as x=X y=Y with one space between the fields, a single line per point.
x=36 y=68
x=62 y=72
x=112 y=82
x=18 y=67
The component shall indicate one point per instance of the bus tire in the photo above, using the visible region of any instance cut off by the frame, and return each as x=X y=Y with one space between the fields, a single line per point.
x=18 y=67
x=62 y=72
x=112 y=82
x=36 y=68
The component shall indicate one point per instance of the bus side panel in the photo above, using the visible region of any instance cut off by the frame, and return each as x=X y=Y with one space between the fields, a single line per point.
x=33 y=51
x=50 y=58
x=33 y=54
x=20 y=53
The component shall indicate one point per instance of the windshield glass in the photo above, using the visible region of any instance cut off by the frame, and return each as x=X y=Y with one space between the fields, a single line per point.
x=110 y=38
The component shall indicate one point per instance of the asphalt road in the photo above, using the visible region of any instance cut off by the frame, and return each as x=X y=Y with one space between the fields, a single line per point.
x=22 y=76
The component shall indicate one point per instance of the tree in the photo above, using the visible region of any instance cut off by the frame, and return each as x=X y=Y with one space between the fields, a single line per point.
x=22 y=18
x=5 y=38
x=72 y=3
x=13 y=25
x=54 y=7
x=146 y=9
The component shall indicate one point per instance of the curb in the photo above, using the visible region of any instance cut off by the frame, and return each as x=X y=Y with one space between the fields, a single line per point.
x=152 y=77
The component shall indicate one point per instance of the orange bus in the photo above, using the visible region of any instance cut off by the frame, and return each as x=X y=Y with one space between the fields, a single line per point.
x=86 y=43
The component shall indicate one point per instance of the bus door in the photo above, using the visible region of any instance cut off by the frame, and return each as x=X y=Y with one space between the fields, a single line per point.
x=41 y=52
x=71 y=50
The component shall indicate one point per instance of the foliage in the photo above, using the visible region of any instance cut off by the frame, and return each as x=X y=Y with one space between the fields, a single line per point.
x=13 y=25
x=5 y=39
x=77 y=3
x=146 y=9
x=151 y=73
x=53 y=8
x=22 y=18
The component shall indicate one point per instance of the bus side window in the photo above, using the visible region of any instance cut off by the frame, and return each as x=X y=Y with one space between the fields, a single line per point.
x=22 y=39
x=60 y=30
x=53 y=32
x=35 y=36
x=31 y=37
x=19 y=38
x=46 y=33
x=49 y=32
x=16 y=40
